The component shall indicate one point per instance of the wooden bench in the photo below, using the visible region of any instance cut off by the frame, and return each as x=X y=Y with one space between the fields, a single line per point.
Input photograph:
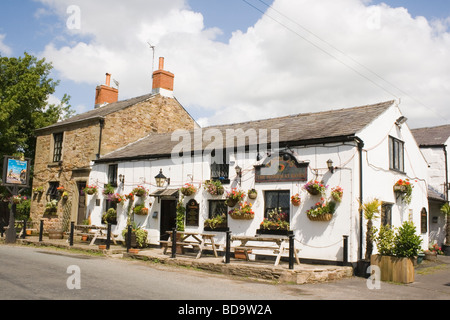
x=199 y=240
x=279 y=247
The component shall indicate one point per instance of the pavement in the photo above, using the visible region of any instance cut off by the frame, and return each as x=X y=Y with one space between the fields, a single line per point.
x=432 y=278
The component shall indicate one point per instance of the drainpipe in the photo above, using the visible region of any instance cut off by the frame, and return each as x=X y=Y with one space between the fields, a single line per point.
x=102 y=124
x=446 y=172
x=361 y=198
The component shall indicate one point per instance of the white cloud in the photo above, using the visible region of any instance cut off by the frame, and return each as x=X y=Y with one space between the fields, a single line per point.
x=271 y=69
x=5 y=50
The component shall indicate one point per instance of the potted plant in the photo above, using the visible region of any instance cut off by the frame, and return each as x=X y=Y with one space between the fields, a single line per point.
x=140 y=210
x=116 y=198
x=370 y=210
x=404 y=189
x=322 y=211
x=244 y=212
x=445 y=209
x=60 y=189
x=51 y=207
x=90 y=190
x=337 y=193
x=38 y=190
x=276 y=221
x=234 y=196
x=295 y=200
x=219 y=222
x=108 y=189
x=181 y=213
x=110 y=216
x=65 y=195
x=140 y=191
x=138 y=236
x=188 y=189
x=252 y=194
x=214 y=187
x=315 y=187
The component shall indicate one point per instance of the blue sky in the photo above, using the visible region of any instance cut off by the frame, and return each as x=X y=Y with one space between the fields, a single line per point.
x=213 y=45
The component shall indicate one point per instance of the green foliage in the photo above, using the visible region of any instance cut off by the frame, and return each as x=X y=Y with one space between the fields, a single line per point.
x=181 y=212
x=141 y=234
x=25 y=86
x=385 y=241
x=406 y=241
x=23 y=210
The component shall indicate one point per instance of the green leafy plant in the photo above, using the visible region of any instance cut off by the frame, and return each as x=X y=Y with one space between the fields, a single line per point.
x=216 y=222
x=110 y=216
x=385 y=241
x=276 y=220
x=445 y=209
x=370 y=209
x=321 y=208
x=141 y=210
x=406 y=242
x=108 y=189
x=141 y=234
x=181 y=213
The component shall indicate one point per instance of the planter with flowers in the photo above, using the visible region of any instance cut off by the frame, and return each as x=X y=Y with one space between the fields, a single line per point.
x=404 y=188
x=140 y=191
x=234 y=196
x=110 y=216
x=60 y=190
x=130 y=196
x=218 y=223
x=214 y=187
x=295 y=200
x=140 y=210
x=315 y=187
x=322 y=211
x=244 y=212
x=188 y=189
x=90 y=190
x=277 y=222
x=337 y=193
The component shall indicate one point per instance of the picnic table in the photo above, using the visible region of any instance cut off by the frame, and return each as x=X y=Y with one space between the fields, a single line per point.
x=194 y=239
x=279 y=245
x=96 y=232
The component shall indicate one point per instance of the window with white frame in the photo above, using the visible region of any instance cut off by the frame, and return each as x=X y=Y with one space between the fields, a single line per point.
x=396 y=154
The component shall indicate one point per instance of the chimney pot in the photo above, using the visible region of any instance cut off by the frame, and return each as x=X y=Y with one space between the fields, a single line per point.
x=161 y=63
x=163 y=80
x=108 y=79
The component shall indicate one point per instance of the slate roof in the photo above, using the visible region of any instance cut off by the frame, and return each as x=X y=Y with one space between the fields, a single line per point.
x=100 y=112
x=295 y=129
x=432 y=136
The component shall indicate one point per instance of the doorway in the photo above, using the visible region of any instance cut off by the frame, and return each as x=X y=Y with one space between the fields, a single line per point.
x=81 y=216
x=168 y=217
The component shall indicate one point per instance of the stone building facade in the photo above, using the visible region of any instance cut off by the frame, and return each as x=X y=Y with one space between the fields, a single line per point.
x=66 y=150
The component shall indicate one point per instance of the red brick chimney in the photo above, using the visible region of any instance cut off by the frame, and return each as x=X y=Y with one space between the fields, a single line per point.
x=104 y=94
x=163 y=80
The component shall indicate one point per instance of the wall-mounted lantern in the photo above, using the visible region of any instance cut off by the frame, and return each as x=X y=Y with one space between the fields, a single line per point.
x=160 y=179
x=330 y=165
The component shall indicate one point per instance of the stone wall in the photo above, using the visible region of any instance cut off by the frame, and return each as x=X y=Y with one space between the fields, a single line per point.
x=81 y=145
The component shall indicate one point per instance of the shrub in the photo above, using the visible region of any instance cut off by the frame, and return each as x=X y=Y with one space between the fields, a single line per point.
x=406 y=241
x=385 y=241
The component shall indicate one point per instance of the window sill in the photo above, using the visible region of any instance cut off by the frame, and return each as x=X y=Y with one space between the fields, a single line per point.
x=55 y=164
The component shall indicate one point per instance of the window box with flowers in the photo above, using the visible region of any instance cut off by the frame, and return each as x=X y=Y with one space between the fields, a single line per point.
x=90 y=190
x=275 y=223
x=403 y=188
x=214 y=187
x=244 y=212
x=315 y=187
x=322 y=211
x=188 y=189
x=234 y=196
x=337 y=193
x=295 y=200
x=218 y=223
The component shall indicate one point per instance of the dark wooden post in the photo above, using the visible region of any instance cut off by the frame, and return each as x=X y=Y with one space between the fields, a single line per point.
x=228 y=247
x=72 y=228
x=24 y=230
x=345 y=258
x=41 y=230
x=108 y=237
x=291 y=251
x=129 y=238
x=174 y=243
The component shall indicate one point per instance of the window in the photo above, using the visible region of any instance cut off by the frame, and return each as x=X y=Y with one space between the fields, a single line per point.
x=217 y=208
x=423 y=221
x=112 y=175
x=396 y=154
x=57 y=146
x=52 y=191
x=277 y=199
x=220 y=166
x=386 y=214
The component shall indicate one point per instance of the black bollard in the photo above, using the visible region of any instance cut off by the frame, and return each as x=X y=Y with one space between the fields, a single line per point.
x=174 y=243
x=41 y=230
x=129 y=238
x=291 y=251
x=228 y=247
x=108 y=237
x=72 y=227
x=345 y=258
x=24 y=230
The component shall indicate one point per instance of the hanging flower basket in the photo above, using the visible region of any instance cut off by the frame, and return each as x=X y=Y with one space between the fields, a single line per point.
x=315 y=187
x=140 y=191
x=214 y=187
x=321 y=211
x=234 y=196
x=140 y=210
x=295 y=200
x=188 y=189
x=90 y=190
x=116 y=198
x=404 y=189
x=252 y=194
x=337 y=193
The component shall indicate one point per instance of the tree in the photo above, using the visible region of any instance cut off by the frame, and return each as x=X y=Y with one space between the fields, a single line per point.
x=25 y=86
x=370 y=209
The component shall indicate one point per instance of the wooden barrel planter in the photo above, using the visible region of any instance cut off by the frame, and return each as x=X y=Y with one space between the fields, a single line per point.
x=55 y=234
x=322 y=217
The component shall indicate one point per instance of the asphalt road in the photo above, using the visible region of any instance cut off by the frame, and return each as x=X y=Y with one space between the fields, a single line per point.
x=28 y=273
